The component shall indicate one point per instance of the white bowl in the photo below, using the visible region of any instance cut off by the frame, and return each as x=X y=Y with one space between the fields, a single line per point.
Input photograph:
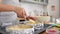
x=42 y=18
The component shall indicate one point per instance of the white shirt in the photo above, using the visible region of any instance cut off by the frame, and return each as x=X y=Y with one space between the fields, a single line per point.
x=8 y=16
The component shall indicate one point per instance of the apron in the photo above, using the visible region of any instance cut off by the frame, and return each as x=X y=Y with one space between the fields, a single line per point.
x=9 y=18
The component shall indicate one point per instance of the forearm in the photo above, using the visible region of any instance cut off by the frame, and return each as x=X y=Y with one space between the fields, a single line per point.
x=6 y=8
x=18 y=10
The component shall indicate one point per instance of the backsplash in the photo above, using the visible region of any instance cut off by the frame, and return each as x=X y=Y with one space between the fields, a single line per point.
x=55 y=13
x=31 y=8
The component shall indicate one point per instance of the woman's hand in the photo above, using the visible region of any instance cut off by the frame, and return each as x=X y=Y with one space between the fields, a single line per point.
x=30 y=17
x=20 y=12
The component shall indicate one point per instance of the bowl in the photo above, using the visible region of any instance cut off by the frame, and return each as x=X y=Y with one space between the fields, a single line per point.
x=52 y=30
x=42 y=18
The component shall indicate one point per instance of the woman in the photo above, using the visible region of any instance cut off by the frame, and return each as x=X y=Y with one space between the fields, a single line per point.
x=9 y=12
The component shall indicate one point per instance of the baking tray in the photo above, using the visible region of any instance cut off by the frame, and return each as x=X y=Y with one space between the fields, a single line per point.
x=37 y=31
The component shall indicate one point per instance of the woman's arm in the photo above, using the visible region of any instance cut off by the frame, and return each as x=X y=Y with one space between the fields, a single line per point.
x=19 y=11
x=6 y=8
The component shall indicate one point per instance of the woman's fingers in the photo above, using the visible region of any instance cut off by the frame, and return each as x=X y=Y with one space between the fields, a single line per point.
x=24 y=13
x=30 y=17
x=33 y=18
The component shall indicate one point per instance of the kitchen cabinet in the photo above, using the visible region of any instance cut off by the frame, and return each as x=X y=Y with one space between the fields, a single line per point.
x=43 y=2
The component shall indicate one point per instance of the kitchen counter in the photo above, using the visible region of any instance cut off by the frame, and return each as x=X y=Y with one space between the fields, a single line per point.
x=43 y=32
